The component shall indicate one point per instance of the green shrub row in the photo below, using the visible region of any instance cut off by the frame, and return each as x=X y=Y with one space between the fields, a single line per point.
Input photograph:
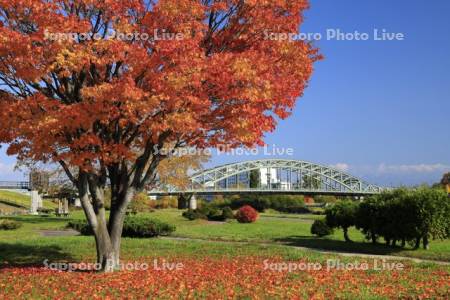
x=402 y=215
x=281 y=203
x=134 y=226
x=209 y=212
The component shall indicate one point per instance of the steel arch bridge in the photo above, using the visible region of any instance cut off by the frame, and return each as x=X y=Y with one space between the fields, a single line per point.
x=275 y=176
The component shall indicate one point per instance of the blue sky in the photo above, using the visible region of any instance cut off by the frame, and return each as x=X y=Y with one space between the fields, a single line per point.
x=377 y=109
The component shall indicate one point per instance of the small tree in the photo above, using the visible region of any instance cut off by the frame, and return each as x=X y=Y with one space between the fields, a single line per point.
x=368 y=218
x=433 y=214
x=342 y=215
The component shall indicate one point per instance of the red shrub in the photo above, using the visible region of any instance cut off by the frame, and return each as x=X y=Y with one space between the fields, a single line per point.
x=246 y=214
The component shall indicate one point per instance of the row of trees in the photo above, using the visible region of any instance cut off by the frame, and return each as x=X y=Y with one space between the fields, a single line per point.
x=406 y=216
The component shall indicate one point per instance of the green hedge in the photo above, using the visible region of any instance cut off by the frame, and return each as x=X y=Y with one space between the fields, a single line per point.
x=281 y=203
x=133 y=226
x=209 y=212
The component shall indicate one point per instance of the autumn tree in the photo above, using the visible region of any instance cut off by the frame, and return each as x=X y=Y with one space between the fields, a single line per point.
x=100 y=87
x=174 y=172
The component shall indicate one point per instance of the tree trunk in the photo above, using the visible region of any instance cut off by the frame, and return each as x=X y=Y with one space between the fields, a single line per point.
x=425 y=242
x=124 y=186
x=394 y=243
x=417 y=245
x=116 y=219
x=403 y=243
x=346 y=237
x=106 y=255
x=374 y=237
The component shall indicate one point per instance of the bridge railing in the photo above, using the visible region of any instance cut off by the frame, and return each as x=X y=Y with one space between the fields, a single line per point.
x=22 y=185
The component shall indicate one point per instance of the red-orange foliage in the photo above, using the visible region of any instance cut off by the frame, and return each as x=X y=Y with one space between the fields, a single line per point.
x=101 y=106
x=96 y=101
x=246 y=214
x=227 y=277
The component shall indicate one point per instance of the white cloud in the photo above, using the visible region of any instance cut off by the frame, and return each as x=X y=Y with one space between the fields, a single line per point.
x=418 y=168
x=384 y=168
x=341 y=166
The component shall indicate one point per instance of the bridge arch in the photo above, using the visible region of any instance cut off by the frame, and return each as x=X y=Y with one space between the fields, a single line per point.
x=299 y=176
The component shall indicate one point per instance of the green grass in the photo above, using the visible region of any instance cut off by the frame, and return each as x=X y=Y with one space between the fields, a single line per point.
x=293 y=230
x=21 y=200
x=271 y=234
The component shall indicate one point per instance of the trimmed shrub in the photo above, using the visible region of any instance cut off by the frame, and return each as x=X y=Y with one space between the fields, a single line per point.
x=144 y=227
x=320 y=228
x=193 y=214
x=246 y=214
x=216 y=214
x=210 y=213
x=132 y=227
x=6 y=224
x=227 y=212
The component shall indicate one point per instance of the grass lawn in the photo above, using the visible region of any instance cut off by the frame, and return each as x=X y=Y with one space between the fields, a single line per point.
x=287 y=229
x=211 y=270
x=293 y=230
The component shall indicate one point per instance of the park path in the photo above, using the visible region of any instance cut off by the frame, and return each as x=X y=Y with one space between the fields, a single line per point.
x=322 y=251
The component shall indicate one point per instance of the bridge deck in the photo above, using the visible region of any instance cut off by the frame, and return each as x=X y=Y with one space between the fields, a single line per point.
x=261 y=192
x=14 y=185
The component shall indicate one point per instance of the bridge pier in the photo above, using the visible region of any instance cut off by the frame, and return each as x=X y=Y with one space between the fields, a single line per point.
x=36 y=202
x=193 y=202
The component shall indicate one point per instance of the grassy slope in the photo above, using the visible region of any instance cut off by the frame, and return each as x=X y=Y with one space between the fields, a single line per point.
x=21 y=200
